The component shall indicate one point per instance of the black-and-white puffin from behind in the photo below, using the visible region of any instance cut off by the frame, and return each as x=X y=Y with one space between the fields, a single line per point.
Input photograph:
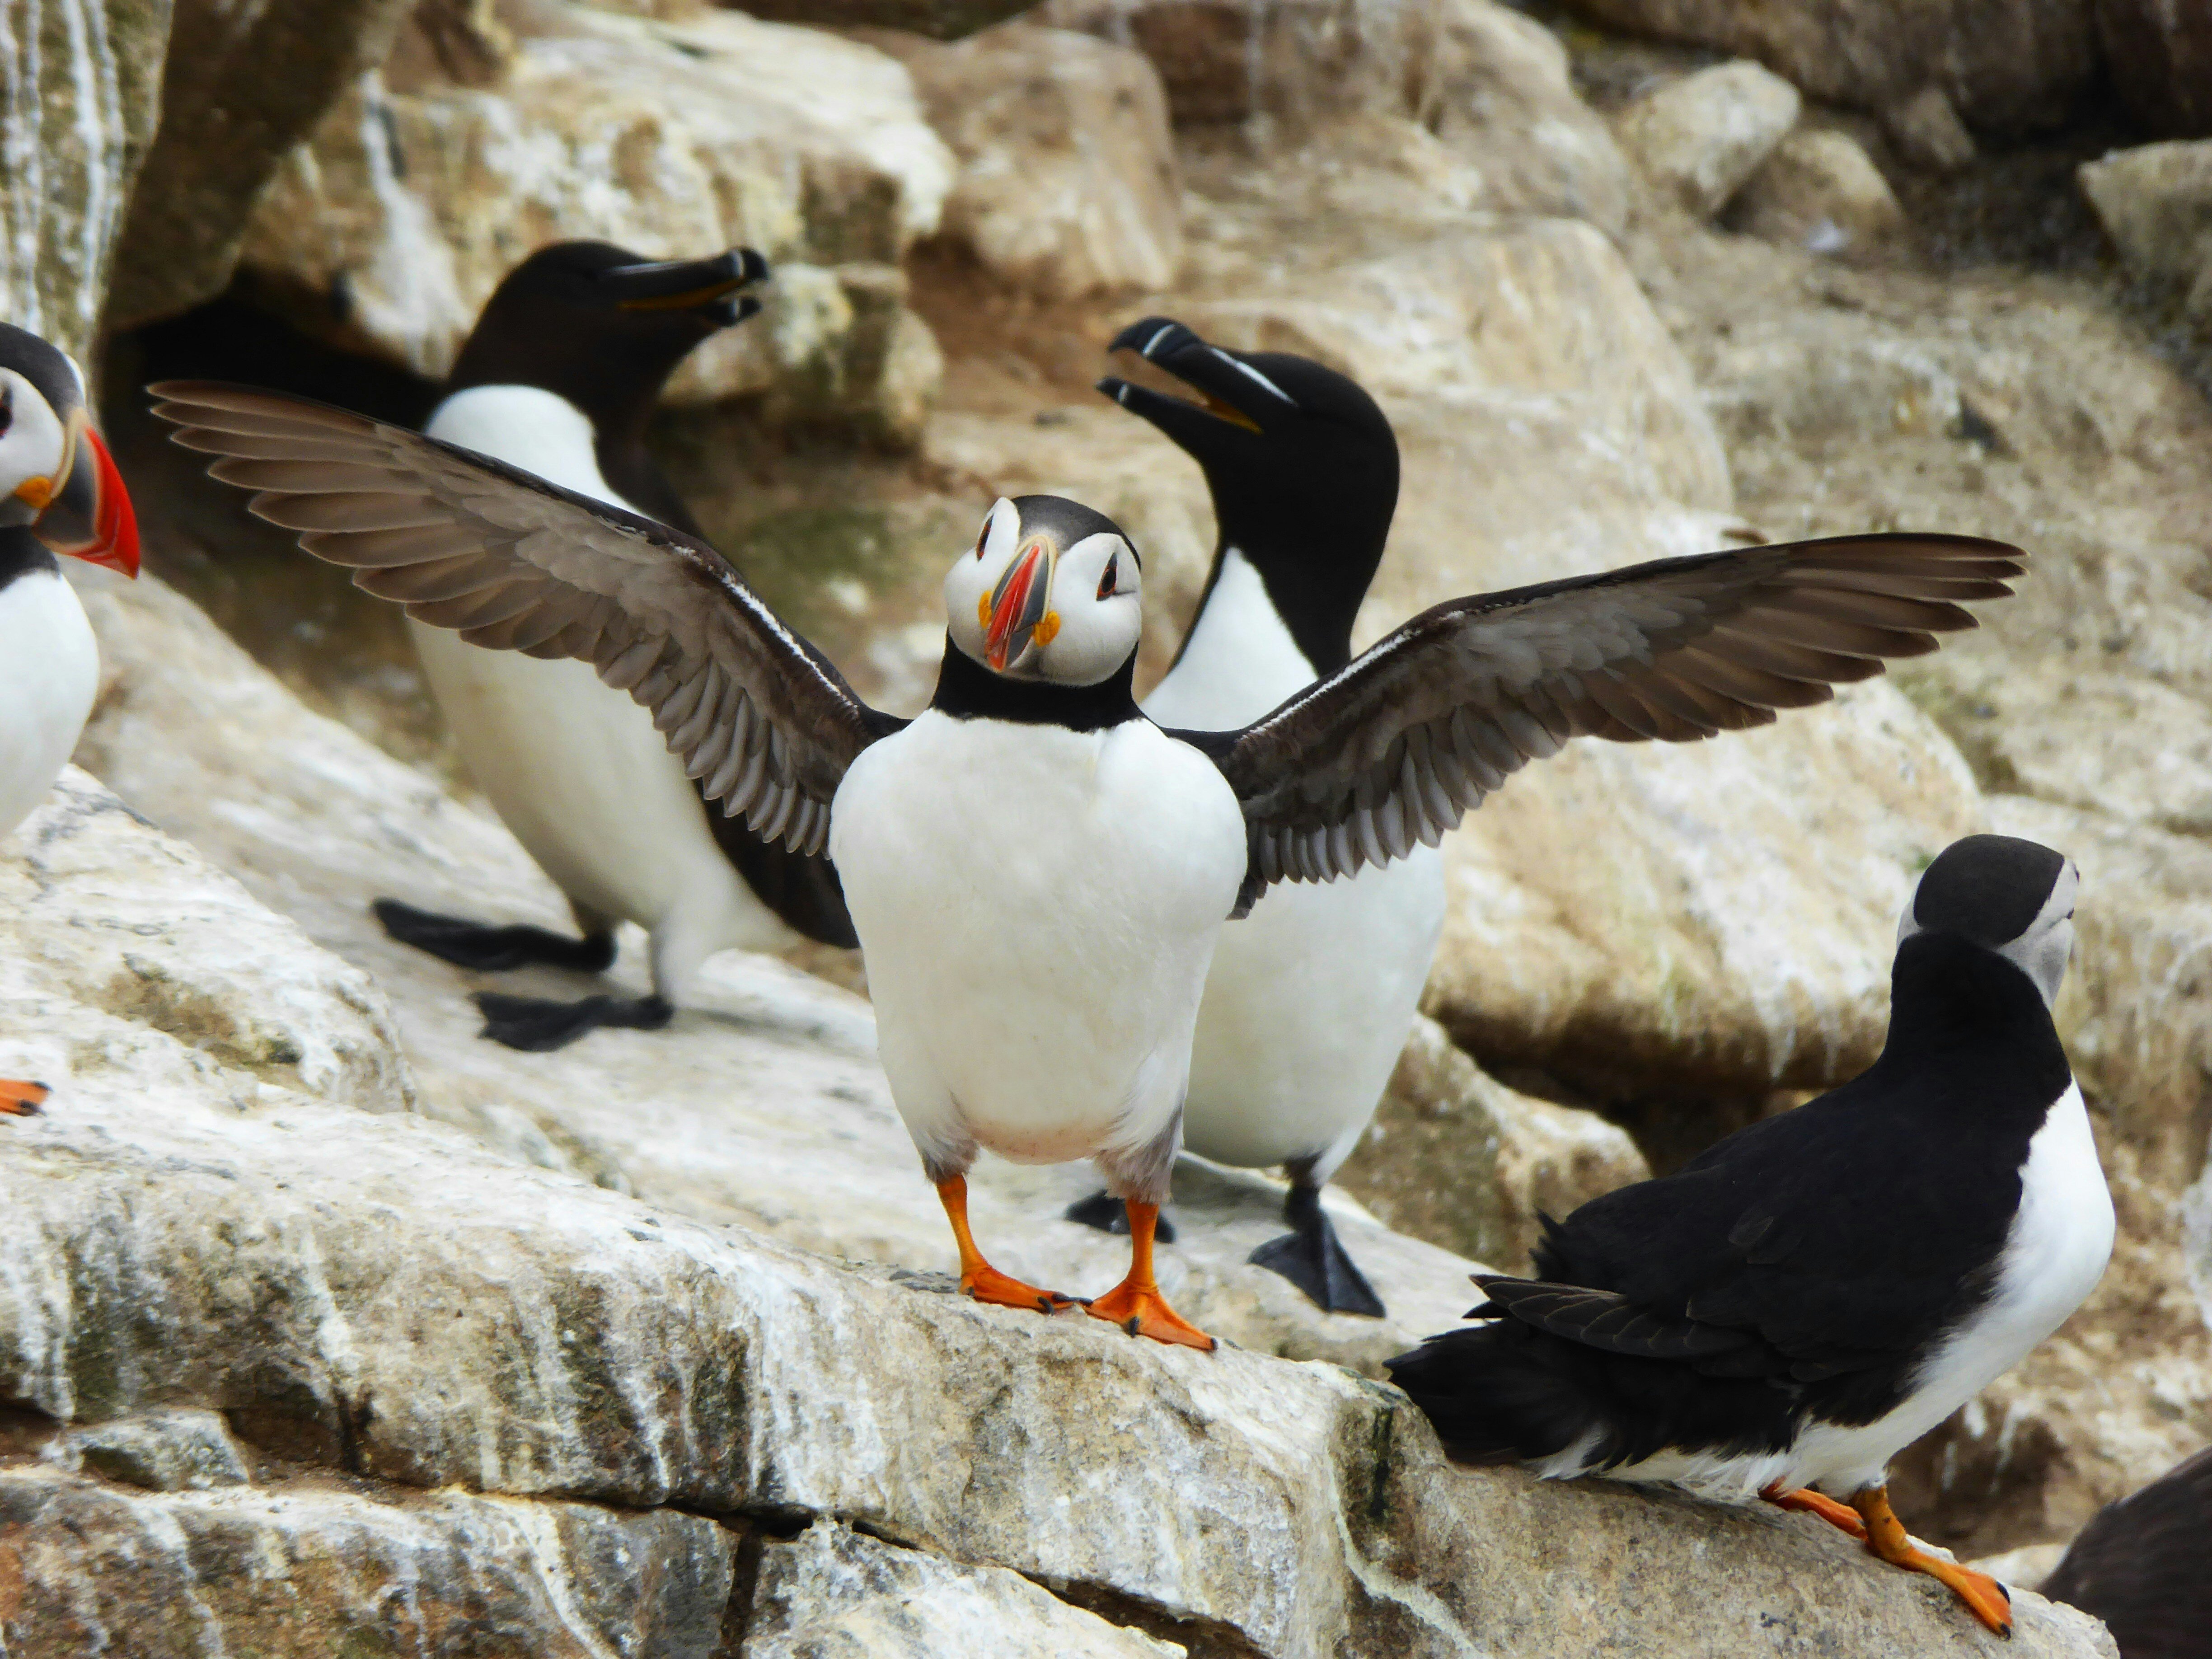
x=1309 y=998
x=60 y=495
x=1797 y=1304
x=2143 y=1564
x=559 y=377
x=1037 y=872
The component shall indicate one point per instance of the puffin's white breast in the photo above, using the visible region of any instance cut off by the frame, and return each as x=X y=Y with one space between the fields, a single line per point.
x=49 y=673
x=1038 y=907
x=572 y=766
x=1309 y=998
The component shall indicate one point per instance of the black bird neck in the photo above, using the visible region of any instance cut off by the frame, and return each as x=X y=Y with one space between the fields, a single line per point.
x=1950 y=997
x=22 y=553
x=967 y=691
x=1315 y=555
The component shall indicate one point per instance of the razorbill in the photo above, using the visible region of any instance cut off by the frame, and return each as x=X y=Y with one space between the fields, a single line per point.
x=559 y=377
x=1309 y=999
x=59 y=494
x=2145 y=1565
x=1794 y=1306
x=1036 y=871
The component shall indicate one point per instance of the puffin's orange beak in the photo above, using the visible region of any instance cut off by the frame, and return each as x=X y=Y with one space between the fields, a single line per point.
x=90 y=517
x=1015 y=616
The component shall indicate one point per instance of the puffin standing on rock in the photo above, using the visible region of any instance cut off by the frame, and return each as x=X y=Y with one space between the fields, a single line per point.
x=1796 y=1305
x=1309 y=999
x=1037 y=872
x=559 y=377
x=59 y=494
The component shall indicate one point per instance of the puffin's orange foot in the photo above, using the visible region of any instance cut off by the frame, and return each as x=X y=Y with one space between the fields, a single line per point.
x=1886 y=1537
x=1814 y=1503
x=986 y=1284
x=21 y=1099
x=1141 y=1310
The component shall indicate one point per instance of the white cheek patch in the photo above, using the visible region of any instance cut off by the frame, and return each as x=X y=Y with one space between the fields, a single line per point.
x=35 y=444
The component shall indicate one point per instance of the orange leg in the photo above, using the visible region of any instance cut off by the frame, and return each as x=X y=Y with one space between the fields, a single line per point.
x=1886 y=1537
x=1136 y=1304
x=1820 y=1504
x=978 y=1277
x=21 y=1099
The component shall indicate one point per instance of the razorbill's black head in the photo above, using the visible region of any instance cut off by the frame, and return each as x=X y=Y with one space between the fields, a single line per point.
x=603 y=327
x=1302 y=465
x=56 y=478
x=1052 y=592
x=2015 y=897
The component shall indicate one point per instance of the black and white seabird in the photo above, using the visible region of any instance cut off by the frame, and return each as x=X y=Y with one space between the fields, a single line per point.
x=1794 y=1307
x=559 y=377
x=59 y=494
x=2144 y=1566
x=1038 y=873
x=1309 y=999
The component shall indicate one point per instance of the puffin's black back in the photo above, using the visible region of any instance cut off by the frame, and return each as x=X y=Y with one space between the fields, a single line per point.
x=2144 y=1566
x=1798 y=1267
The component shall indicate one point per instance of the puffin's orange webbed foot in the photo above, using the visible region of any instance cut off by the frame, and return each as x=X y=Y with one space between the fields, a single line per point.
x=978 y=1277
x=21 y=1099
x=1136 y=1304
x=1886 y=1537
x=1842 y=1516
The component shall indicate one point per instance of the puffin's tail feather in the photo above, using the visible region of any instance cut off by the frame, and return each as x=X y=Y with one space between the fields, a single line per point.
x=1496 y=1396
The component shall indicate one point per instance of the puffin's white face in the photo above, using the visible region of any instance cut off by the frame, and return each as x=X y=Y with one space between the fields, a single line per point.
x=1051 y=592
x=37 y=449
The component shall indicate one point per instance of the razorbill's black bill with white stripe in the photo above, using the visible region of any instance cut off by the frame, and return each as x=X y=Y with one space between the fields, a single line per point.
x=1037 y=872
x=59 y=494
x=559 y=377
x=1309 y=998
x=1797 y=1304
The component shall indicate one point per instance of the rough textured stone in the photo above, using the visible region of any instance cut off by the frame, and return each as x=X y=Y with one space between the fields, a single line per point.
x=942 y=20
x=242 y=85
x=1702 y=137
x=1926 y=132
x=387 y=231
x=1822 y=191
x=832 y=1593
x=2159 y=55
x=2156 y=203
x=161 y=1451
x=315 y=1567
x=2004 y=65
x=1068 y=181
x=75 y=119
x=1458 y=1157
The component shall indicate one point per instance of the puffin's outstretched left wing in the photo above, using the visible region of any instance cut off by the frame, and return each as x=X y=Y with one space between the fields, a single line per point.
x=512 y=562
x=1393 y=749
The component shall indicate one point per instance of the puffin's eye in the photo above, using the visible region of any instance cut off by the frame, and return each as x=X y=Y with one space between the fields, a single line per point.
x=982 y=536
x=7 y=407
x=1109 y=577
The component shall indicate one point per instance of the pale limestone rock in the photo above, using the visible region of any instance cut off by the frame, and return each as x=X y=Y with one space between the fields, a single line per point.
x=159 y=1450
x=389 y=228
x=82 y=92
x=1820 y=191
x=313 y=1567
x=2155 y=204
x=832 y=1593
x=1702 y=137
x=1456 y=1156
x=1068 y=182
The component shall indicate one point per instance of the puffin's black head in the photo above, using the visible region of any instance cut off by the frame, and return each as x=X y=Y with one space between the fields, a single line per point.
x=56 y=478
x=2015 y=897
x=603 y=327
x=1303 y=467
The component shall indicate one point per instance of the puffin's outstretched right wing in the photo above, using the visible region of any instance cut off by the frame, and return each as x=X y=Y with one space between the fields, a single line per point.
x=464 y=541
x=1391 y=749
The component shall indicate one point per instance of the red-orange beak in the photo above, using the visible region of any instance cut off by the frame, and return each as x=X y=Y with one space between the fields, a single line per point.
x=1017 y=617
x=90 y=517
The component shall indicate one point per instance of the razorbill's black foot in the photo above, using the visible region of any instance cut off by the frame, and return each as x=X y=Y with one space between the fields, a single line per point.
x=1108 y=1214
x=1038 y=873
x=1313 y=1258
x=485 y=948
x=540 y=1024
x=1806 y=1297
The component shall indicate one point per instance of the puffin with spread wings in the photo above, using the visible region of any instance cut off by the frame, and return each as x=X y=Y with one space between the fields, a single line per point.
x=1036 y=871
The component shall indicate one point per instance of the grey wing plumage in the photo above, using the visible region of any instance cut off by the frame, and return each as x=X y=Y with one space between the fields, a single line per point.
x=511 y=562
x=1390 y=752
